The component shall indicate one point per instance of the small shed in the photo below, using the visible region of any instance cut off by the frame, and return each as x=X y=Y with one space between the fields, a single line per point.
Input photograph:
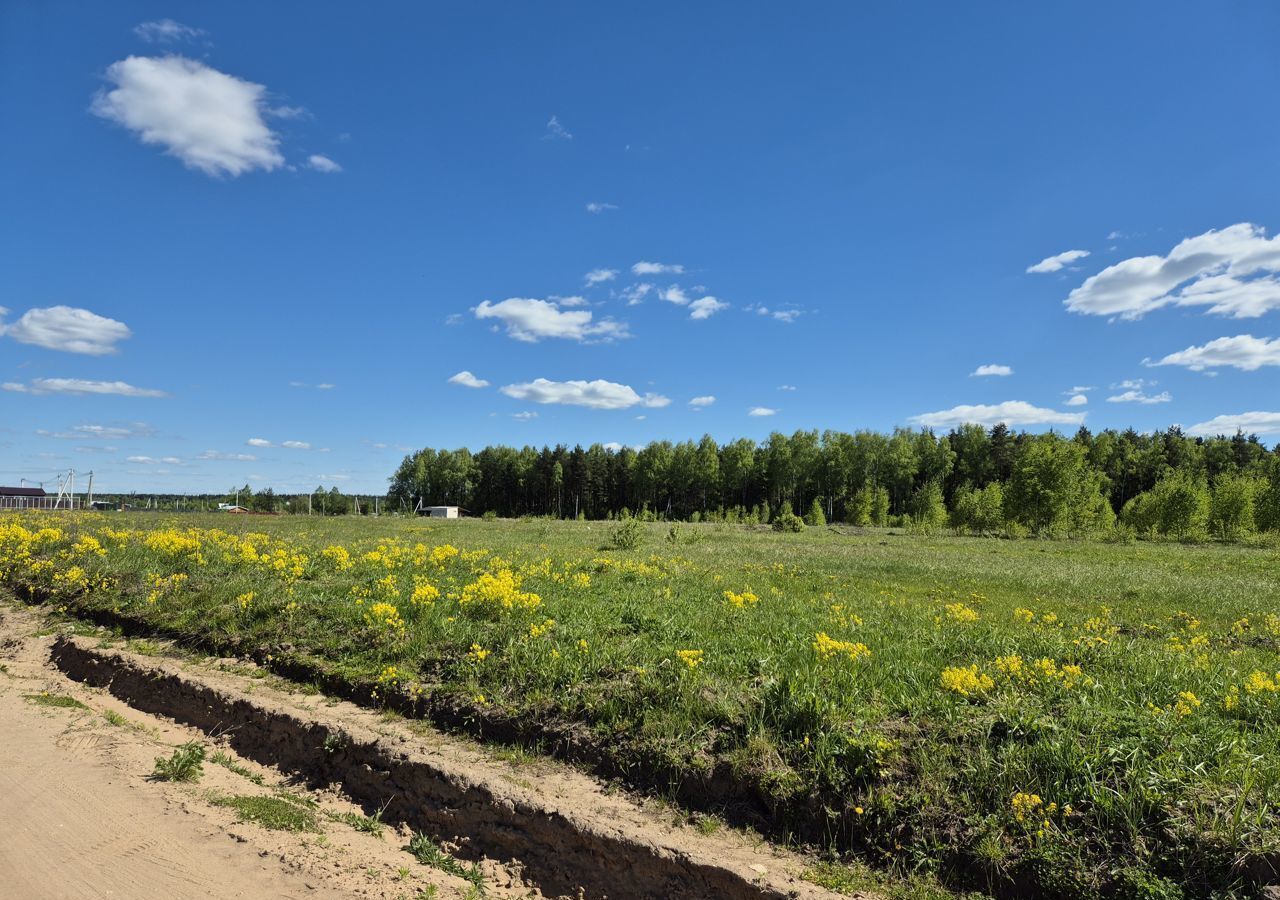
x=443 y=512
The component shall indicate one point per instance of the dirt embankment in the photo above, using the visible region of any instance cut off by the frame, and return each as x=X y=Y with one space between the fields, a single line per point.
x=542 y=827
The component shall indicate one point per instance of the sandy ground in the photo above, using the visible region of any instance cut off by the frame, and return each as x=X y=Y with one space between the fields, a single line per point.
x=79 y=817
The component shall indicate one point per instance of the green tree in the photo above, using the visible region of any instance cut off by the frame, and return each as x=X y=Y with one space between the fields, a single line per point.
x=815 y=515
x=1231 y=506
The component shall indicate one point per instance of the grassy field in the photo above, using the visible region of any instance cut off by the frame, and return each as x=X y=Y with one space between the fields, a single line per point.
x=1018 y=717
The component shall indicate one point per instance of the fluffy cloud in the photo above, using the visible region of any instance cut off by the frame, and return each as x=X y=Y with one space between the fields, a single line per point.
x=1138 y=396
x=1232 y=272
x=760 y=411
x=706 y=307
x=1248 y=422
x=675 y=294
x=635 y=294
x=166 y=31
x=599 y=276
x=1056 y=263
x=80 y=386
x=1010 y=412
x=653 y=268
x=991 y=369
x=532 y=320
x=781 y=315
x=466 y=379
x=1244 y=351
x=524 y=416
x=151 y=460
x=598 y=394
x=323 y=164
x=288 y=445
x=210 y=120
x=702 y=401
x=1077 y=400
x=67 y=328
x=597 y=208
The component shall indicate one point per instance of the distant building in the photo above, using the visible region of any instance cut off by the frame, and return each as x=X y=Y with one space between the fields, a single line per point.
x=232 y=508
x=33 y=498
x=441 y=512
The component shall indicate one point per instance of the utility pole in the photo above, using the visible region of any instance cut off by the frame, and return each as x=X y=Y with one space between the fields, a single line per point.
x=89 y=492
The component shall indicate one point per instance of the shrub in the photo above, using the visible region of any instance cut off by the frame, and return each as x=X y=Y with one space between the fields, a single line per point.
x=788 y=521
x=815 y=516
x=626 y=536
x=186 y=764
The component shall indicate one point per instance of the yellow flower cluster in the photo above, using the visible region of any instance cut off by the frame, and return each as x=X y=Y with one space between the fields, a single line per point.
x=477 y=653
x=385 y=616
x=742 y=600
x=960 y=612
x=424 y=593
x=691 y=658
x=967 y=682
x=497 y=592
x=828 y=647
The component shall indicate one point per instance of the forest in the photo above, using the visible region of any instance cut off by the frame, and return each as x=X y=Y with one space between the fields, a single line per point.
x=973 y=479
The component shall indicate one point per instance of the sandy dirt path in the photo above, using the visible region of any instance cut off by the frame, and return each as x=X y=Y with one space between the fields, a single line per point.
x=80 y=818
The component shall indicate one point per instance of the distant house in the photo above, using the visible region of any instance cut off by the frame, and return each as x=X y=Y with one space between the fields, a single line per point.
x=32 y=498
x=232 y=508
x=440 y=512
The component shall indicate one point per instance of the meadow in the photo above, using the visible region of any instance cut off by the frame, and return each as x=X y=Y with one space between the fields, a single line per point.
x=1016 y=717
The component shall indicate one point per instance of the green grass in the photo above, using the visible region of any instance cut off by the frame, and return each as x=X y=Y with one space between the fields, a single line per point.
x=278 y=812
x=186 y=763
x=1156 y=763
x=364 y=824
x=56 y=701
x=429 y=853
x=228 y=762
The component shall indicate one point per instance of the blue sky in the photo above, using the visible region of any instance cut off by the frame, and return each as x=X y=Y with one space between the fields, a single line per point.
x=255 y=242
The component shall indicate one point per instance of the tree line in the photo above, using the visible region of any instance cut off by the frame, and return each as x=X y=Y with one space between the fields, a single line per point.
x=972 y=478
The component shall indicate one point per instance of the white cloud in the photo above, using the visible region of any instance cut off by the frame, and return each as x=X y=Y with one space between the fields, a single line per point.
x=227 y=457
x=208 y=119
x=598 y=394
x=1080 y=389
x=296 y=445
x=532 y=320
x=569 y=302
x=599 y=276
x=613 y=446
x=781 y=315
x=151 y=460
x=706 y=307
x=1248 y=422
x=524 y=416
x=635 y=294
x=991 y=369
x=67 y=328
x=653 y=268
x=556 y=131
x=786 y=387
x=1134 y=384
x=259 y=442
x=1244 y=351
x=597 y=208
x=1077 y=400
x=1055 y=263
x=325 y=386
x=453 y=319
x=466 y=379
x=1138 y=396
x=675 y=294
x=80 y=386
x=761 y=411
x=322 y=164
x=101 y=432
x=166 y=31
x=702 y=401
x=1010 y=412
x=1232 y=272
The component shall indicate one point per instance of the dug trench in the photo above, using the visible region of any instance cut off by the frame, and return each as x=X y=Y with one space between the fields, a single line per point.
x=568 y=834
